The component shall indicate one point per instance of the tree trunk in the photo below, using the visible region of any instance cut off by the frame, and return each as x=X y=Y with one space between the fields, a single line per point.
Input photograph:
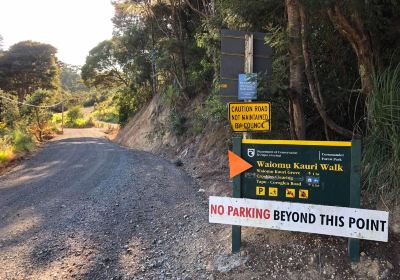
x=313 y=80
x=297 y=120
x=179 y=35
x=355 y=33
x=153 y=62
x=40 y=130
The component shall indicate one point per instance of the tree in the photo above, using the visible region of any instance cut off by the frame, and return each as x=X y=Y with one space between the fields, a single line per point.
x=313 y=81
x=296 y=114
x=38 y=114
x=102 y=68
x=354 y=31
x=70 y=78
x=371 y=28
x=9 y=111
x=28 y=66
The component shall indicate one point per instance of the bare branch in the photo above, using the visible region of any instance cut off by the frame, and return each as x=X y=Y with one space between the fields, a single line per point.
x=314 y=83
x=194 y=9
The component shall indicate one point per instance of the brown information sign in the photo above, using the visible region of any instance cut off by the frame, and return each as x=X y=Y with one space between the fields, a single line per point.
x=246 y=116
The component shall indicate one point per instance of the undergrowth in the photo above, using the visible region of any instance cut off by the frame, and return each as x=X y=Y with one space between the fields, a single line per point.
x=13 y=142
x=74 y=118
x=213 y=110
x=381 y=156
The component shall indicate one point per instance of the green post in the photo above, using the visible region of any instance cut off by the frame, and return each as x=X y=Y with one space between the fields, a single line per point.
x=354 y=244
x=237 y=192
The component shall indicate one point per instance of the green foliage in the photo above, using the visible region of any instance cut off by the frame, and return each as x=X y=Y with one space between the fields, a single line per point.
x=6 y=154
x=96 y=95
x=22 y=142
x=126 y=105
x=73 y=114
x=171 y=95
x=71 y=79
x=153 y=49
x=9 y=111
x=28 y=66
x=213 y=111
x=12 y=142
x=106 y=111
x=80 y=123
x=74 y=118
x=37 y=115
x=177 y=123
x=56 y=118
x=381 y=156
x=101 y=67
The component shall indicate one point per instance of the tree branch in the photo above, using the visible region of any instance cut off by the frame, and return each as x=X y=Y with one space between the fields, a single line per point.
x=313 y=80
x=194 y=9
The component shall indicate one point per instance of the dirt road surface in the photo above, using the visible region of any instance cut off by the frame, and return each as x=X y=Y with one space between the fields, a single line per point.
x=85 y=208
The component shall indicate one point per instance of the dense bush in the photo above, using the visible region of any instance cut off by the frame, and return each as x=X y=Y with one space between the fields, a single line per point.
x=213 y=110
x=74 y=114
x=13 y=142
x=38 y=115
x=106 y=111
x=21 y=141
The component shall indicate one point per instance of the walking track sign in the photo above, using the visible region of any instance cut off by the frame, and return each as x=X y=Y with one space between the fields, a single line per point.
x=315 y=172
x=306 y=186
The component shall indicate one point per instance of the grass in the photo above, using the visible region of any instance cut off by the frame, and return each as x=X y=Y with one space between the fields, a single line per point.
x=80 y=123
x=381 y=155
x=6 y=155
x=22 y=142
x=13 y=143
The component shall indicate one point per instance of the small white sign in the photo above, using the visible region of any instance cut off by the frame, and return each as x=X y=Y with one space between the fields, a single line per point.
x=328 y=220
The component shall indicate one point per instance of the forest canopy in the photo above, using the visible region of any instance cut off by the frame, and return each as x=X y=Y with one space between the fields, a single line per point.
x=329 y=58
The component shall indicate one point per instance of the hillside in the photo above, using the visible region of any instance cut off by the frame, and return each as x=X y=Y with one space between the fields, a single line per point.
x=203 y=155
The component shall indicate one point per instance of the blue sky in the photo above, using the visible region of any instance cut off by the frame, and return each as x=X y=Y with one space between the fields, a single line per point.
x=72 y=26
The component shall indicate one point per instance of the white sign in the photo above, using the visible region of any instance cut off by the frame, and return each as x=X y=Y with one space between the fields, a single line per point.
x=328 y=220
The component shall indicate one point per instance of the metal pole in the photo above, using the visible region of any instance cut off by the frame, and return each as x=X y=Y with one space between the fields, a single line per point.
x=237 y=193
x=62 y=114
x=354 y=244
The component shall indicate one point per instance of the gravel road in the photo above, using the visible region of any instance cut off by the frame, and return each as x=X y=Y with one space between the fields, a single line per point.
x=85 y=208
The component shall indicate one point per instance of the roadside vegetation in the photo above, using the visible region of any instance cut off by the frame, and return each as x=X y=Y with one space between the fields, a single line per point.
x=334 y=74
x=33 y=84
x=381 y=157
x=106 y=111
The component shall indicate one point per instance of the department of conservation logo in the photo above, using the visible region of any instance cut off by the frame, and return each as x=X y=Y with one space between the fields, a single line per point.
x=251 y=152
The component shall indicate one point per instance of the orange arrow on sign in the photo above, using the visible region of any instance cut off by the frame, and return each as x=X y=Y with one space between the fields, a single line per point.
x=237 y=165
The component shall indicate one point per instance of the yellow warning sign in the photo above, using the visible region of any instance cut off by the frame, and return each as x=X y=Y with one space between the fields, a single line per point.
x=272 y=191
x=250 y=116
x=303 y=194
x=290 y=193
x=260 y=191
